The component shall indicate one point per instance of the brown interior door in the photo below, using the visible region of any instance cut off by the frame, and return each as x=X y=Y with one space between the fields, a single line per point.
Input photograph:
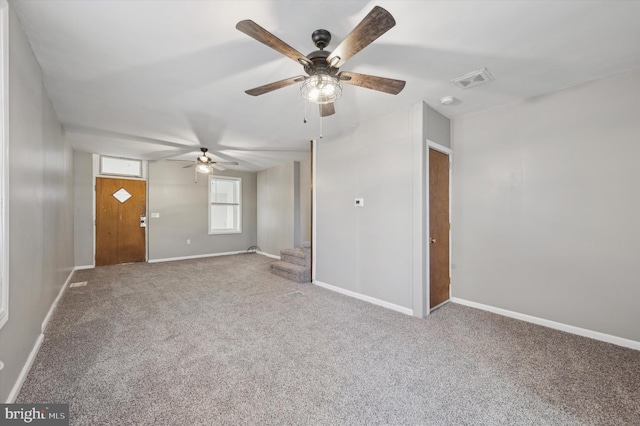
x=439 y=280
x=119 y=236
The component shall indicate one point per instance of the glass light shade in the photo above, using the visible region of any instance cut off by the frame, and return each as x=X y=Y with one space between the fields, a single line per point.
x=321 y=88
x=203 y=168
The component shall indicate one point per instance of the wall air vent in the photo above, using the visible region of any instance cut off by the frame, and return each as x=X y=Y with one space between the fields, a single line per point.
x=473 y=79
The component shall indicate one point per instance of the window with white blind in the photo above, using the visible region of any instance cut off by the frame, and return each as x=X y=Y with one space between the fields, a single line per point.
x=225 y=207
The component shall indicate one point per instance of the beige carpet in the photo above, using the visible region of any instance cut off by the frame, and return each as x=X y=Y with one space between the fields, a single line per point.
x=223 y=341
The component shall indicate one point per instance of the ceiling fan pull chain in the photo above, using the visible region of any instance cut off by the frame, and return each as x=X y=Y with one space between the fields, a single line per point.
x=321 y=126
x=305 y=112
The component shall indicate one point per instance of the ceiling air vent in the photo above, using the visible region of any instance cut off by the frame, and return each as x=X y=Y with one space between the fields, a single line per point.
x=474 y=78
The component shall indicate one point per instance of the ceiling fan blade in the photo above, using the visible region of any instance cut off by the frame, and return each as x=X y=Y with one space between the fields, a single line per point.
x=255 y=31
x=381 y=84
x=327 y=109
x=226 y=163
x=190 y=165
x=256 y=91
x=376 y=23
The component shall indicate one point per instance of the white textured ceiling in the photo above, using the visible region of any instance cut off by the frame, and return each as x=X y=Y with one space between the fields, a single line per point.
x=155 y=79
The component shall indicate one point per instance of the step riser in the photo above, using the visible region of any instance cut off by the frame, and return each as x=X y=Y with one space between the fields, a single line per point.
x=299 y=277
x=295 y=260
x=294 y=264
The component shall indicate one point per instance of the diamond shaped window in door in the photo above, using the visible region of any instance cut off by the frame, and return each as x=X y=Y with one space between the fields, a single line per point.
x=121 y=195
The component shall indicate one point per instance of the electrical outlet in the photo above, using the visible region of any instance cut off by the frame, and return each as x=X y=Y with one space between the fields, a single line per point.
x=188 y=241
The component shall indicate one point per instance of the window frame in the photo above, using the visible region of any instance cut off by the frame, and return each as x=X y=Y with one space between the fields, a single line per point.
x=238 y=182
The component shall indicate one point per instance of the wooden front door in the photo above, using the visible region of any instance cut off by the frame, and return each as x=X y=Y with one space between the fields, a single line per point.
x=439 y=280
x=119 y=205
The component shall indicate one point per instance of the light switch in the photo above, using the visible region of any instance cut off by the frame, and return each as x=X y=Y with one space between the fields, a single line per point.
x=359 y=202
x=155 y=215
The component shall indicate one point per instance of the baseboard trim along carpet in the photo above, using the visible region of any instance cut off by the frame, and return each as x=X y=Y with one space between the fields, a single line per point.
x=25 y=370
x=78 y=268
x=620 y=341
x=366 y=298
x=45 y=322
x=197 y=256
x=36 y=347
x=273 y=256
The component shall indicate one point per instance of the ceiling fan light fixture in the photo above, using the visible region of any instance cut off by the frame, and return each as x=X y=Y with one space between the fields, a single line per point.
x=321 y=88
x=203 y=168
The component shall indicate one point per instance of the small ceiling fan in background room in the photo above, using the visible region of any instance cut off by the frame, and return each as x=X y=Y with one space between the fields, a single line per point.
x=205 y=164
x=323 y=84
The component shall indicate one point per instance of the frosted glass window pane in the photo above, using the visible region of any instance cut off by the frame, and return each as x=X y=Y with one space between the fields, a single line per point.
x=122 y=195
x=120 y=166
x=226 y=191
x=223 y=218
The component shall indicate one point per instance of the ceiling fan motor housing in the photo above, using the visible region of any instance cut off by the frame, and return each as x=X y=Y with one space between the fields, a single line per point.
x=319 y=63
x=321 y=39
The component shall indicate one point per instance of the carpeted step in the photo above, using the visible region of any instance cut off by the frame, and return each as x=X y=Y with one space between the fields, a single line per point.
x=300 y=261
x=297 y=256
x=297 y=273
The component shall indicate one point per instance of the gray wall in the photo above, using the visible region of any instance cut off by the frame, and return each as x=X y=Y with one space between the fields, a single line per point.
x=546 y=207
x=83 y=231
x=41 y=207
x=437 y=127
x=276 y=208
x=305 y=200
x=183 y=208
x=376 y=250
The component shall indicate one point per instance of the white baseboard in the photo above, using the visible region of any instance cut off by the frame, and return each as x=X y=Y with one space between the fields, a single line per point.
x=36 y=347
x=78 y=268
x=620 y=341
x=25 y=371
x=369 y=299
x=273 y=256
x=197 y=256
x=45 y=322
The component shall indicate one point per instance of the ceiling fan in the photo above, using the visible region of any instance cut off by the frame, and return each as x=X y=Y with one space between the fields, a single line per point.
x=206 y=164
x=323 y=83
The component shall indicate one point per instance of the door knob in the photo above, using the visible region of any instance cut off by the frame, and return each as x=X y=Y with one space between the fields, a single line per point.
x=432 y=240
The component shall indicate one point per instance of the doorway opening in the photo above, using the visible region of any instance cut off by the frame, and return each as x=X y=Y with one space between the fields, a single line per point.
x=120 y=221
x=439 y=225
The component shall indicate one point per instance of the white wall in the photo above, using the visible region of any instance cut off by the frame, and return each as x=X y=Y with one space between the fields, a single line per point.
x=83 y=232
x=277 y=208
x=41 y=208
x=376 y=251
x=546 y=207
x=305 y=200
x=183 y=208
